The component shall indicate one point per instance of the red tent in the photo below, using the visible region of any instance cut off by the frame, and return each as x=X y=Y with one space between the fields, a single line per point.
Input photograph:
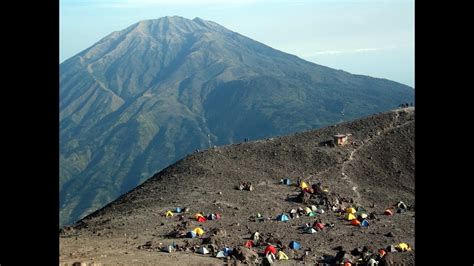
x=319 y=226
x=201 y=219
x=249 y=243
x=355 y=222
x=271 y=249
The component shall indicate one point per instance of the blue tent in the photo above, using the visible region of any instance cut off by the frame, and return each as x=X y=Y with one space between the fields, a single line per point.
x=287 y=181
x=177 y=210
x=283 y=218
x=191 y=234
x=295 y=245
x=364 y=223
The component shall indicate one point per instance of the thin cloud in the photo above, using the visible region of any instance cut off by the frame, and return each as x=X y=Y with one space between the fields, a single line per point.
x=349 y=51
x=152 y=3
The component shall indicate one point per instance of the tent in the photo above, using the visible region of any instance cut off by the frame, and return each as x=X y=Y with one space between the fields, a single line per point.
x=401 y=205
x=319 y=226
x=269 y=259
x=372 y=262
x=320 y=211
x=363 y=215
x=201 y=219
x=382 y=252
x=221 y=254
x=282 y=256
x=294 y=245
x=211 y=216
x=311 y=214
x=350 y=217
x=350 y=210
x=310 y=230
x=169 y=214
x=400 y=210
x=256 y=236
x=361 y=209
x=307 y=210
x=355 y=222
x=303 y=185
x=198 y=231
x=364 y=223
x=283 y=218
x=191 y=234
x=270 y=249
x=403 y=247
x=287 y=181
x=177 y=210
x=197 y=215
x=218 y=216
x=388 y=212
x=227 y=250
x=314 y=208
x=249 y=243
x=203 y=250
x=168 y=249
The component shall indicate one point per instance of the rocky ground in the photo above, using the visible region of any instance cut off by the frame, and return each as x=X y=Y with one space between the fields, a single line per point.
x=374 y=171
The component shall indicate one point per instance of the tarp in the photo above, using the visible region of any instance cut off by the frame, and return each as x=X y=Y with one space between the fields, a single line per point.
x=271 y=249
x=282 y=256
x=294 y=245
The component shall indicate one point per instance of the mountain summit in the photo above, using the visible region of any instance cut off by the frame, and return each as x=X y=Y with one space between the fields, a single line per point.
x=143 y=97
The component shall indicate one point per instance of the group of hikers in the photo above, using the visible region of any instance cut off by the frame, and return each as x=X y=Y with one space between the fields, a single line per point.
x=405 y=105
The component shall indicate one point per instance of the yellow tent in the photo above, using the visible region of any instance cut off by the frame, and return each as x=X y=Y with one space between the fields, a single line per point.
x=307 y=210
x=350 y=210
x=169 y=214
x=326 y=190
x=198 y=231
x=403 y=247
x=282 y=256
x=303 y=185
x=350 y=217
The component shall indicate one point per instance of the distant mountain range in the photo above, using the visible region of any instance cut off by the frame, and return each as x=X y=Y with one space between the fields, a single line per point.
x=143 y=97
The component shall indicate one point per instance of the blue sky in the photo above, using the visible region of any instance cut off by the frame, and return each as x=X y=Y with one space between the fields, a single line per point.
x=369 y=37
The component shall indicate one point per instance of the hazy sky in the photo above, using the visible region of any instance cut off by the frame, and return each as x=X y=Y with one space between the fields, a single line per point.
x=370 y=37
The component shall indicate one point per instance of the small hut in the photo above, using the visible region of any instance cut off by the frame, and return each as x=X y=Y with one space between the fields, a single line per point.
x=341 y=139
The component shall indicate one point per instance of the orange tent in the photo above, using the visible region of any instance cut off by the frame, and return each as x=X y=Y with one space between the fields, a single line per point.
x=355 y=222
